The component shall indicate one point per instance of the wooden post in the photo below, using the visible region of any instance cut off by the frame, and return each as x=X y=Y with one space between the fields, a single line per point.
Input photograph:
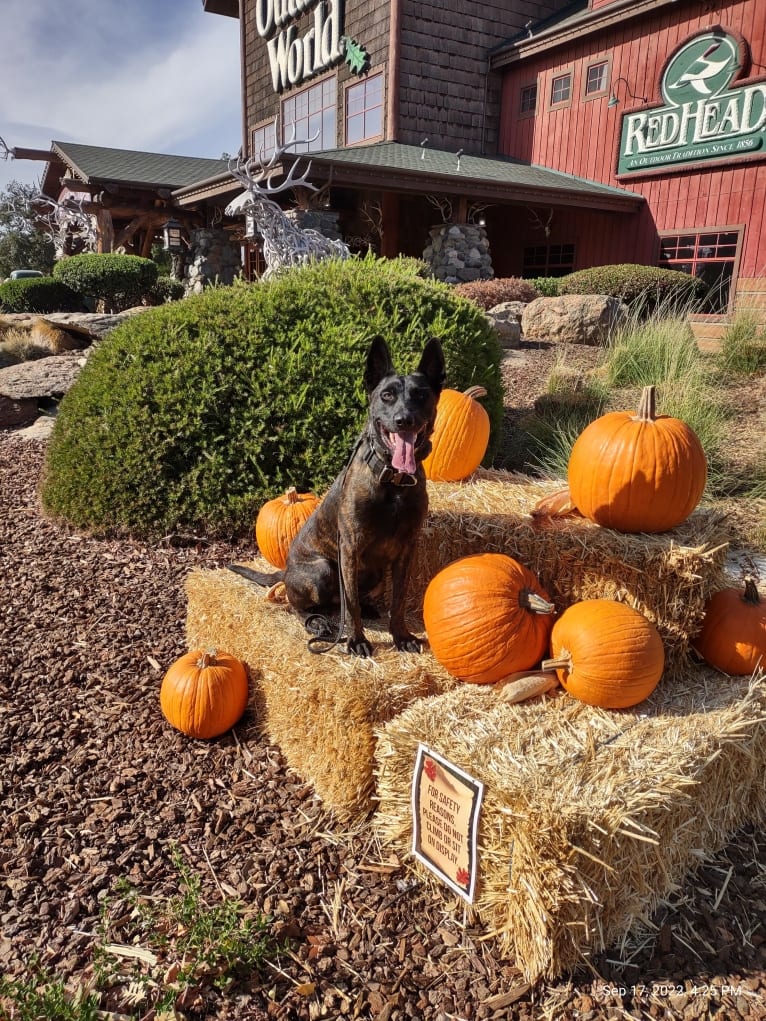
x=104 y=230
x=389 y=245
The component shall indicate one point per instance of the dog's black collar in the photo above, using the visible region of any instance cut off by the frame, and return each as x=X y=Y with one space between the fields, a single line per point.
x=384 y=472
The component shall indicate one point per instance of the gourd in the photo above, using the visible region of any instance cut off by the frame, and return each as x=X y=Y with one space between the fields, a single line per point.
x=279 y=521
x=640 y=472
x=486 y=617
x=460 y=435
x=733 y=633
x=204 y=693
x=606 y=653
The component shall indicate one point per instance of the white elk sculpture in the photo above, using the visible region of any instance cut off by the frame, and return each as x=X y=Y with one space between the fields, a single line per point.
x=284 y=243
x=71 y=229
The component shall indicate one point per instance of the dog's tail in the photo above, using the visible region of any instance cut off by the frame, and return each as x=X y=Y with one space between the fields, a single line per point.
x=262 y=578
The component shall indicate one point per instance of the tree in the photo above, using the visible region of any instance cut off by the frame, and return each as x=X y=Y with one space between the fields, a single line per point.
x=22 y=244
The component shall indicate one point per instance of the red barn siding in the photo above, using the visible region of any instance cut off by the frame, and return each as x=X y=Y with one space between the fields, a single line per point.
x=582 y=138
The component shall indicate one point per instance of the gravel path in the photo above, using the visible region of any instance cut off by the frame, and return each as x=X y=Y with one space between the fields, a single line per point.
x=99 y=794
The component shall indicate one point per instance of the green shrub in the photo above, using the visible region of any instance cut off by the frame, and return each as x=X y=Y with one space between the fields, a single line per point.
x=488 y=293
x=192 y=414
x=116 y=282
x=546 y=287
x=164 y=289
x=651 y=287
x=39 y=294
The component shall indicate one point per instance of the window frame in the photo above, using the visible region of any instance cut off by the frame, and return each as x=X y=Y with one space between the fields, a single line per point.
x=606 y=63
x=544 y=269
x=527 y=87
x=255 y=148
x=561 y=104
x=294 y=97
x=348 y=88
x=695 y=259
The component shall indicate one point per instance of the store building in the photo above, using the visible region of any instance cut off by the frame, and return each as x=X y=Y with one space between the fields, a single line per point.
x=574 y=134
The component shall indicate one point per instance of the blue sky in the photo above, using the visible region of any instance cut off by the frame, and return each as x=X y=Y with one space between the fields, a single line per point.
x=153 y=75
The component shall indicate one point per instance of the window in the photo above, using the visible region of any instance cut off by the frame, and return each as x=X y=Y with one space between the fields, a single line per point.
x=264 y=141
x=528 y=99
x=595 y=78
x=709 y=255
x=561 y=89
x=548 y=260
x=309 y=117
x=364 y=110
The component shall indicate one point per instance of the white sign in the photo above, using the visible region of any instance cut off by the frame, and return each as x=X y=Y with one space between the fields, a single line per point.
x=296 y=57
x=445 y=813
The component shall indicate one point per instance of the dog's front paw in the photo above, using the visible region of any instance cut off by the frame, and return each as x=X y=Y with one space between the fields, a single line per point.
x=359 y=647
x=408 y=643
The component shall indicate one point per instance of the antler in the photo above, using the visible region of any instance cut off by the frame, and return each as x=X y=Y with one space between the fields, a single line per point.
x=256 y=174
x=537 y=223
x=443 y=205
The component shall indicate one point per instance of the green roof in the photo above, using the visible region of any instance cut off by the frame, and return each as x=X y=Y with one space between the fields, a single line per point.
x=92 y=163
x=472 y=171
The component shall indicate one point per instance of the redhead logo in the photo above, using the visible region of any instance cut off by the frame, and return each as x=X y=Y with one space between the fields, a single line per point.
x=706 y=116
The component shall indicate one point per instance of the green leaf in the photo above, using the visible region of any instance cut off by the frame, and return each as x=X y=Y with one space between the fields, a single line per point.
x=356 y=56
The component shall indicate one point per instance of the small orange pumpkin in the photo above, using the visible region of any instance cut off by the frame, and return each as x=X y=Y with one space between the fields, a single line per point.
x=640 y=472
x=460 y=437
x=203 y=694
x=486 y=617
x=733 y=634
x=606 y=653
x=279 y=521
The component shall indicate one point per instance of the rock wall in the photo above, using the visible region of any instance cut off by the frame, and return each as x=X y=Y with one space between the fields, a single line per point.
x=459 y=252
x=212 y=258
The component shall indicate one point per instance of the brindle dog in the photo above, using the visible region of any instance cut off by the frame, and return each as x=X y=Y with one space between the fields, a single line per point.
x=370 y=519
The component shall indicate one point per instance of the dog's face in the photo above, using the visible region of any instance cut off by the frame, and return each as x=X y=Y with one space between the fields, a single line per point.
x=403 y=408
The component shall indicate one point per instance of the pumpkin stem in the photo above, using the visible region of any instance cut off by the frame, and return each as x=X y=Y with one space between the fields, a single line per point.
x=291 y=495
x=563 y=662
x=207 y=658
x=475 y=391
x=529 y=600
x=751 y=591
x=647 y=408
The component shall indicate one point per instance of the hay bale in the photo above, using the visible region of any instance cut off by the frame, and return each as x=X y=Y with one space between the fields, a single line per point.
x=590 y=817
x=667 y=577
x=320 y=709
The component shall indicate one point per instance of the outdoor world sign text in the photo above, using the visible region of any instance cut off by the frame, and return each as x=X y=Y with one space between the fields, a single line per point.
x=295 y=57
x=704 y=117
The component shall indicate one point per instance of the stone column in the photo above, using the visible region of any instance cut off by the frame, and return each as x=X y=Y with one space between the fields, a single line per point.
x=459 y=252
x=212 y=258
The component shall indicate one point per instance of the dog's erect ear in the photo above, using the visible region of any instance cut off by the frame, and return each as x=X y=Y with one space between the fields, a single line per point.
x=379 y=364
x=432 y=364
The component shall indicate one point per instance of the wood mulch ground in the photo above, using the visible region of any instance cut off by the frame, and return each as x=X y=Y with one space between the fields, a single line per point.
x=99 y=796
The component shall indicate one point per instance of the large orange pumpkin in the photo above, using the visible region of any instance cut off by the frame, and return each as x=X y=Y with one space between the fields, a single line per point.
x=279 y=521
x=640 y=472
x=733 y=634
x=203 y=694
x=606 y=653
x=486 y=617
x=460 y=437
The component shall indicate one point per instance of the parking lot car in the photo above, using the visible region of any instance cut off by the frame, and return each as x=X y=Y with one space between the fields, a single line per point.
x=21 y=274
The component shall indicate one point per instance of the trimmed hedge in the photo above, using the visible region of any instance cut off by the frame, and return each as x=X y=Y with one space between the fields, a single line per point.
x=191 y=415
x=117 y=282
x=164 y=289
x=488 y=293
x=632 y=282
x=38 y=294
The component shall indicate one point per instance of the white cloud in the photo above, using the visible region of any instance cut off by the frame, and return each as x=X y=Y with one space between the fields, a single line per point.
x=161 y=77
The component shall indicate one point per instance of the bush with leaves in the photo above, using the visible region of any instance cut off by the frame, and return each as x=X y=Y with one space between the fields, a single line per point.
x=649 y=287
x=165 y=288
x=193 y=414
x=488 y=293
x=546 y=287
x=116 y=282
x=38 y=294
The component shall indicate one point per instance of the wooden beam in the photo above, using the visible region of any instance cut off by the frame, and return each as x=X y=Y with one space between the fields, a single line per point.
x=104 y=231
x=35 y=154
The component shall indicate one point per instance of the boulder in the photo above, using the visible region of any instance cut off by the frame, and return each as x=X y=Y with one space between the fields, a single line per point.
x=506 y=319
x=87 y=326
x=41 y=378
x=573 y=318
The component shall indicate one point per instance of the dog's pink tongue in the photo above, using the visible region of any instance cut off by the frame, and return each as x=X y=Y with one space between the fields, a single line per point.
x=403 y=458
